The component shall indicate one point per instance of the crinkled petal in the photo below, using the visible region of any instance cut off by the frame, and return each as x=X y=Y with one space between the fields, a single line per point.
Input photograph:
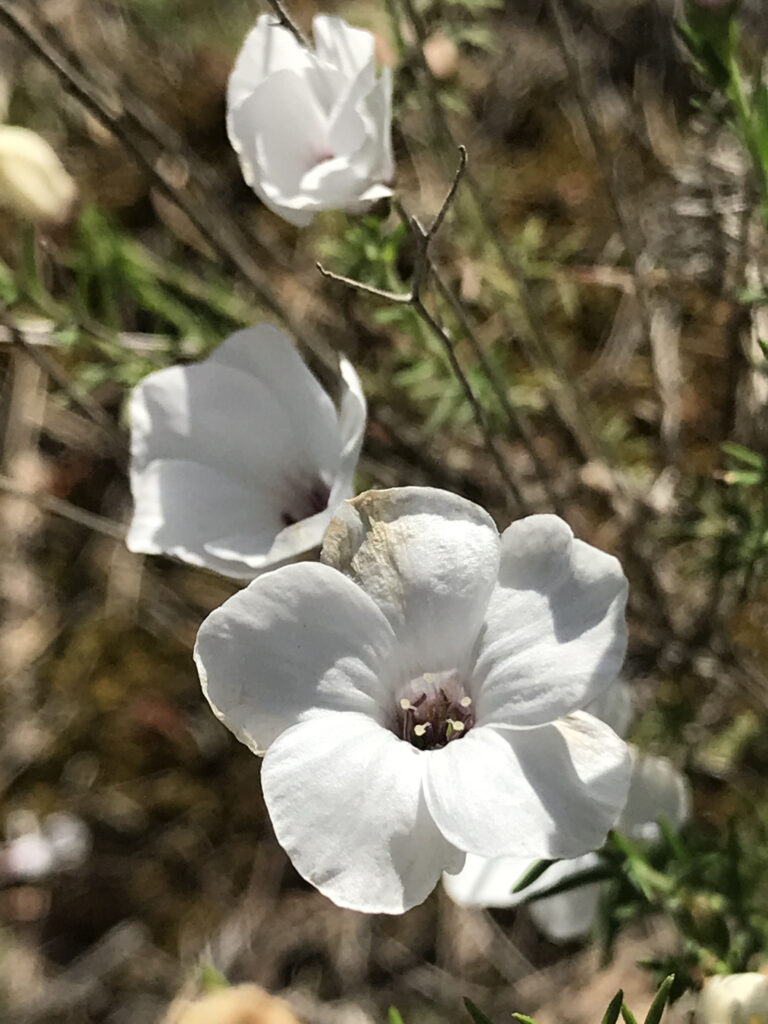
x=428 y=559
x=657 y=789
x=554 y=636
x=349 y=49
x=181 y=508
x=297 y=640
x=548 y=792
x=267 y=48
x=345 y=799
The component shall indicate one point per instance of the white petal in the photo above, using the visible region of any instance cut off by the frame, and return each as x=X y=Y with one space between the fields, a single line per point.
x=267 y=353
x=351 y=50
x=217 y=416
x=333 y=184
x=274 y=152
x=345 y=799
x=267 y=48
x=548 y=792
x=733 y=999
x=487 y=882
x=614 y=706
x=656 y=790
x=554 y=635
x=296 y=640
x=568 y=915
x=181 y=508
x=428 y=559
x=352 y=415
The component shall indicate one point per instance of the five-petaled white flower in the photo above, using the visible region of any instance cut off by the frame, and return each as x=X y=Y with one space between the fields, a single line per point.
x=656 y=789
x=311 y=128
x=237 y=462
x=418 y=694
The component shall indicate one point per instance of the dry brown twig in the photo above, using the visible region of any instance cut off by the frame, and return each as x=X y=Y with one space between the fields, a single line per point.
x=414 y=299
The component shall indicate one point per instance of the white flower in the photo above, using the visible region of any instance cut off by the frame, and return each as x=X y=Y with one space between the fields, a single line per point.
x=311 y=128
x=734 y=999
x=422 y=703
x=656 y=789
x=33 y=181
x=238 y=461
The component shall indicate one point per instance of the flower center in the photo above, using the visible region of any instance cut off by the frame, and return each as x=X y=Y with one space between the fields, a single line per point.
x=434 y=711
x=307 y=502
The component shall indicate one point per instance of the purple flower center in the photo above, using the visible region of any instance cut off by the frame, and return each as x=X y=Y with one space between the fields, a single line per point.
x=307 y=502
x=436 y=712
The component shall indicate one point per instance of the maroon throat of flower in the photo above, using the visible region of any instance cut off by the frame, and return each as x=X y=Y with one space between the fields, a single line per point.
x=434 y=718
x=308 y=501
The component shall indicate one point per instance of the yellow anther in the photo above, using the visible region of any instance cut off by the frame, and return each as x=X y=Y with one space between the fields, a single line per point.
x=465 y=702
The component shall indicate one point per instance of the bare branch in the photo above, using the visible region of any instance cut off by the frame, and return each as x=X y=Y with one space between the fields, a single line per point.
x=367 y=289
x=413 y=299
x=284 y=19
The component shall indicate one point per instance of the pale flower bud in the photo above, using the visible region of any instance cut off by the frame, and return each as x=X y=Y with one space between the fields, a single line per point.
x=735 y=999
x=242 y=1004
x=33 y=181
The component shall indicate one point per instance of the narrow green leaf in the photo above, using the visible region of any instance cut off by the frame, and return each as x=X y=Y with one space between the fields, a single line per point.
x=477 y=1015
x=575 y=881
x=534 y=872
x=626 y=1013
x=523 y=1018
x=614 y=1009
x=211 y=978
x=394 y=1016
x=743 y=454
x=658 y=1004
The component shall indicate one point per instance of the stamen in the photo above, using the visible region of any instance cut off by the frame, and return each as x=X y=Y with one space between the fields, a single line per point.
x=439 y=714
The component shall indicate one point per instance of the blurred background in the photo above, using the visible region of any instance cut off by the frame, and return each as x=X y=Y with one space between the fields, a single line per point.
x=607 y=249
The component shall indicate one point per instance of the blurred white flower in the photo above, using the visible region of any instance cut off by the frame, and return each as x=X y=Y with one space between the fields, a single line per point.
x=311 y=128
x=656 y=789
x=34 y=850
x=734 y=999
x=33 y=181
x=418 y=694
x=238 y=461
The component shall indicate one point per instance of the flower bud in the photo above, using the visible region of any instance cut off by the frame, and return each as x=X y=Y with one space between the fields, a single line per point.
x=242 y=1004
x=734 y=999
x=33 y=181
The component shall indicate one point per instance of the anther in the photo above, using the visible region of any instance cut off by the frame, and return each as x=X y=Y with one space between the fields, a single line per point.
x=420 y=730
x=465 y=702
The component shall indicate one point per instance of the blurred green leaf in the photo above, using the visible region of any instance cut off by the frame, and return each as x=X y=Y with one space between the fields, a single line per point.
x=611 y=1015
x=476 y=1014
x=394 y=1016
x=534 y=872
x=657 y=1006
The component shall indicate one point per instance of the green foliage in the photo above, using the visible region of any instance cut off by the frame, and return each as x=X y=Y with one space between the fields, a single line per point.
x=615 y=1007
x=713 y=39
x=712 y=885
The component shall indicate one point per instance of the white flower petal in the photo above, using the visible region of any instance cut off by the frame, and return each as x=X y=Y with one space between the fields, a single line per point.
x=487 y=882
x=733 y=999
x=657 y=789
x=267 y=48
x=216 y=416
x=548 y=792
x=352 y=415
x=296 y=640
x=182 y=507
x=263 y=131
x=428 y=559
x=614 y=706
x=554 y=635
x=567 y=915
x=338 y=44
x=345 y=799
x=267 y=353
